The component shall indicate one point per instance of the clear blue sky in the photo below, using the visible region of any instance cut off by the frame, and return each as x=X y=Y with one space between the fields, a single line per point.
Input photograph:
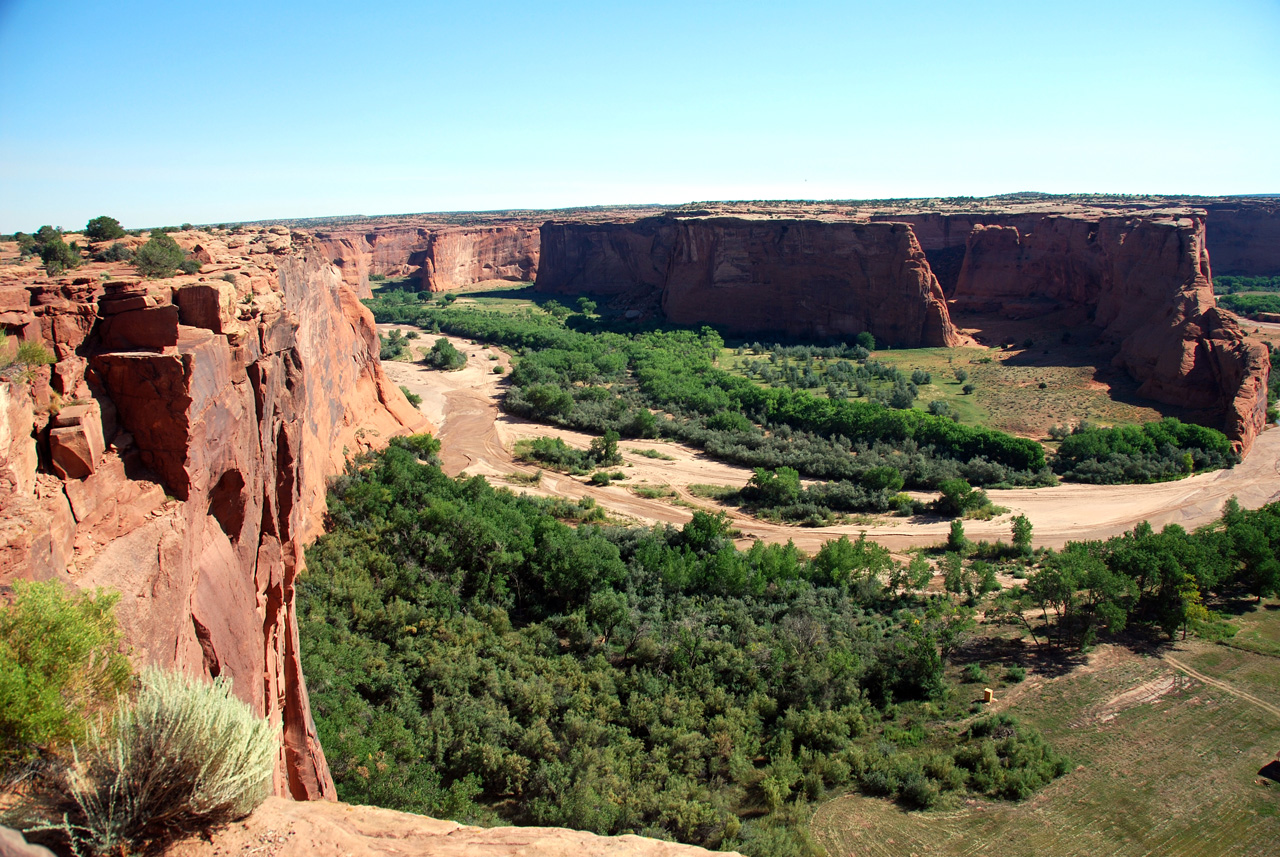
x=160 y=113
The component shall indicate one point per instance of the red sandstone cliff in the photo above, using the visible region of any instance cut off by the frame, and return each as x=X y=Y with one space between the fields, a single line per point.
x=804 y=278
x=1244 y=235
x=442 y=257
x=1144 y=280
x=178 y=452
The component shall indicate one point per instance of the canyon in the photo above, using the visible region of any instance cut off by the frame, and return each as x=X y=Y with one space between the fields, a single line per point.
x=439 y=256
x=177 y=448
x=1138 y=274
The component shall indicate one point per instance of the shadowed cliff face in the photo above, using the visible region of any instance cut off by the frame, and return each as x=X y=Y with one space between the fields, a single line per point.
x=443 y=258
x=1245 y=237
x=1146 y=282
x=803 y=278
x=806 y=279
x=178 y=452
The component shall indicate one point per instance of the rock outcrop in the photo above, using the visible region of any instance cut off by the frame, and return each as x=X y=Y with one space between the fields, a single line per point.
x=290 y=829
x=802 y=278
x=442 y=257
x=177 y=451
x=1146 y=282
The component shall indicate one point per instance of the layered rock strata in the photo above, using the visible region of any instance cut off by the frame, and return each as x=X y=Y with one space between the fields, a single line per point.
x=177 y=451
x=802 y=278
x=1146 y=282
x=441 y=257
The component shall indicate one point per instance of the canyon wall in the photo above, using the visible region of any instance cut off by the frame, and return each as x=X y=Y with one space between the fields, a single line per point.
x=178 y=449
x=1146 y=282
x=1244 y=235
x=799 y=277
x=441 y=257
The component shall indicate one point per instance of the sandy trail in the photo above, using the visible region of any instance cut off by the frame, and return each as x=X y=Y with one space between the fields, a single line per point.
x=477 y=437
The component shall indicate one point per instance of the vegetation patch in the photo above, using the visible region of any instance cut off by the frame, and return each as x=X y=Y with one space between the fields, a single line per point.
x=470 y=656
x=1153 y=452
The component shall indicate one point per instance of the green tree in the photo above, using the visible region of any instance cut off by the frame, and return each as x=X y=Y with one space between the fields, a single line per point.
x=444 y=356
x=1022 y=534
x=103 y=229
x=587 y=306
x=956 y=539
x=58 y=256
x=779 y=487
x=556 y=309
x=159 y=257
x=604 y=450
x=866 y=340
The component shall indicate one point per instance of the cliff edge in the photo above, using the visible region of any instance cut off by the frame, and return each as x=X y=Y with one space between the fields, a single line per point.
x=177 y=450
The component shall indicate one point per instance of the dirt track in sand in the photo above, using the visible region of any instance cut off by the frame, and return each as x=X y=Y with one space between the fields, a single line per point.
x=476 y=437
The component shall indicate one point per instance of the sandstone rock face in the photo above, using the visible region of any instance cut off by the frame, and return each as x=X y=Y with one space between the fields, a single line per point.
x=807 y=278
x=460 y=257
x=289 y=829
x=442 y=257
x=186 y=467
x=804 y=278
x=606 y=258
x=1245 y=236
x=1145 y=280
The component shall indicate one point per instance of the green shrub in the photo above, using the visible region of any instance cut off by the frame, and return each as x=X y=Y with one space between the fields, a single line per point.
x=498 y=370
x=190 y=266
x=159 y=257
x=117 y=252
x=414 y=398
x=1015 y=674
x=58 y=256
x=59 y=664
x=183 y=757
x=444 y=356
x=974 y=674
x=103 y=229
x=229 y=277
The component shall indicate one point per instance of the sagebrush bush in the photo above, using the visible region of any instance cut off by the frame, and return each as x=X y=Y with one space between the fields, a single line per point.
x=59 y=664
x=184 y=756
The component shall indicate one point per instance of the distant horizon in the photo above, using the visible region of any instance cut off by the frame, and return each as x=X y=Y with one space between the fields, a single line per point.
x=631 y=205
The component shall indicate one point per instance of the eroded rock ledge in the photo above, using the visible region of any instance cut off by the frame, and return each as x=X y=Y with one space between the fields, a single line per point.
x=178 y=450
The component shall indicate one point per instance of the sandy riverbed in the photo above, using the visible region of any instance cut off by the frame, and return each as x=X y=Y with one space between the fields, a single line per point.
x=477 y=438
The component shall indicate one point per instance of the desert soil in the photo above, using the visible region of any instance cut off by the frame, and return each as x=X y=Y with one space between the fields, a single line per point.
x=478 y=439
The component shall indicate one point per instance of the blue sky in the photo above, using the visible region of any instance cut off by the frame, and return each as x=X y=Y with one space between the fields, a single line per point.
x=162 y=113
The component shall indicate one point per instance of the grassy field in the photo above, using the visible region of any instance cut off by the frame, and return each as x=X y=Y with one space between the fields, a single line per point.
x=1008 y=394
x=1166 y=765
